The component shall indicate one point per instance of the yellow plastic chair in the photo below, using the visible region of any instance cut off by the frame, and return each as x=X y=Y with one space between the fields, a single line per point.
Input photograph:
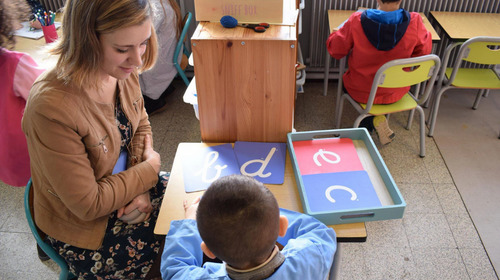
x=479 y=50
x=396 y=74
x=64 y=274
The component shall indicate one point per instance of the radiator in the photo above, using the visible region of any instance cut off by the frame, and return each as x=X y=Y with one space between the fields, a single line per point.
x=53 y=5
x=317 y=11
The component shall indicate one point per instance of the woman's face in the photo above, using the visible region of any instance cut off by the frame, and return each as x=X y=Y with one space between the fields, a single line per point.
x=122 y=49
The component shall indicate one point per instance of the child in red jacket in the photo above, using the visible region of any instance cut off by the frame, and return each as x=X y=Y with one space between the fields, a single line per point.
x=374 y=37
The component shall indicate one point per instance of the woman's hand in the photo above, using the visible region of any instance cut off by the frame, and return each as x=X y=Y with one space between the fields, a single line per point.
x=151 y=155
x=141 y=202
x=190 y=209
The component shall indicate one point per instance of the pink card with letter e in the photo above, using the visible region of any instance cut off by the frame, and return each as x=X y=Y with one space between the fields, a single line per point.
x=326 y=156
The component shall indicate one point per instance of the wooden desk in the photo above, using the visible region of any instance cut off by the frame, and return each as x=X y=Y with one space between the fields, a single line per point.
x=459 y=27
x=37 y=49
x=245 y=82
x=462 y=26
x=336 y=17
x=286 y=194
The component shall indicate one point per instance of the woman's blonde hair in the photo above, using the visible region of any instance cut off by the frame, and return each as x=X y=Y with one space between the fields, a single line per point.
x=83 y=22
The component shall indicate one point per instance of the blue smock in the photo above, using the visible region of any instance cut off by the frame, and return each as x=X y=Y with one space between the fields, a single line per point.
x=309 y=247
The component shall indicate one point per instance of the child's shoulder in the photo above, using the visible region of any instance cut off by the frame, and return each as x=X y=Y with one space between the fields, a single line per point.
x=8 y=57
x=415 y=15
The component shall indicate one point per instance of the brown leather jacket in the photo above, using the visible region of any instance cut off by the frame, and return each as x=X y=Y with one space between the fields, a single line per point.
x=74 y=144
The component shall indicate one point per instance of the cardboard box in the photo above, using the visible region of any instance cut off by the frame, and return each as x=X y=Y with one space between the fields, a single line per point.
x=245 y=11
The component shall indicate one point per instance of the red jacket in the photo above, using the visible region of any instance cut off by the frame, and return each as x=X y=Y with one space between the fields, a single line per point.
x=362 y=36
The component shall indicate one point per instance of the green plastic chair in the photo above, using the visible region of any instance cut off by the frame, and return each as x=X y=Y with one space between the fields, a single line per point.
x=479 y=50
x=180 y=46
x=64 y=274
x=396 y=74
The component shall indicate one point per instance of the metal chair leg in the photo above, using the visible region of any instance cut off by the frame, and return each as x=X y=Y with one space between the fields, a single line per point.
x=422 y=131
x=338 y=113
x=340 y=100
x=327 y=73
x=478 y=98
x=434 y=111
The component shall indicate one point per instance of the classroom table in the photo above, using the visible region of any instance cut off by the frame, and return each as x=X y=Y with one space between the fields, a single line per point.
x=459 y=26
x=38 y=49
x=287 y=195
x=336 y=17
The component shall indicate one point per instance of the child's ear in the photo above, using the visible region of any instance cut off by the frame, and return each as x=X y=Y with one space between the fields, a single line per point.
x=207 y=251
x=283 y=225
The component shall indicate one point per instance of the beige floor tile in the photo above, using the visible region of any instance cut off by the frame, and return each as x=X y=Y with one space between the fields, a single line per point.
x=442 y=264
x=428 y=231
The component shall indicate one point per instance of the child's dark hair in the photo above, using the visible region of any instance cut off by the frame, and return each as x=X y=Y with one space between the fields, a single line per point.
x=11 y=13
x=390 y=1
x=238 y=219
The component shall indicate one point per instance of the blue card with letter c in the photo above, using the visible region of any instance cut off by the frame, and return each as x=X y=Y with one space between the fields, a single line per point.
x=339 y=191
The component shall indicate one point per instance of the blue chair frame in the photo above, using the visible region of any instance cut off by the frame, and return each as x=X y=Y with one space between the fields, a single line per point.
x=64 y=274
x=180 y=45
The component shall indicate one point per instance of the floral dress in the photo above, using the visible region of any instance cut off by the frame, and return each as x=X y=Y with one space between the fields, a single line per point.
x=127 y=251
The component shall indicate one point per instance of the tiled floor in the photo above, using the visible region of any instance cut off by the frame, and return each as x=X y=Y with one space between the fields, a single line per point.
x=436 y=239
x=468 y=141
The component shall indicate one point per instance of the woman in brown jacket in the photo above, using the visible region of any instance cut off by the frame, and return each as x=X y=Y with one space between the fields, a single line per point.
x=95 y=178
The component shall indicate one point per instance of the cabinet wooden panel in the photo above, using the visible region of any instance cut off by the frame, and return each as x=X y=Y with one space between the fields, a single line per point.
x=245 y=82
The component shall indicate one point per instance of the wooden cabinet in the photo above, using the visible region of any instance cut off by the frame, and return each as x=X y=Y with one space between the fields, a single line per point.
x=245 y=82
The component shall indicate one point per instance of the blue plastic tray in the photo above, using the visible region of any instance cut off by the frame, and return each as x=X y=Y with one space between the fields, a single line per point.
x=393 y=204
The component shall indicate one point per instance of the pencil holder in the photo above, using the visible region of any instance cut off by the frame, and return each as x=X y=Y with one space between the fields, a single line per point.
x=49 y=33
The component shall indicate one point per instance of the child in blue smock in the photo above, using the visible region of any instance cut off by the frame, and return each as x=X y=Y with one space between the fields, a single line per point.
x=238 y=221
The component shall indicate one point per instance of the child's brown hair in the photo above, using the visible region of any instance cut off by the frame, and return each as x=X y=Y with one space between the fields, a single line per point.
x=238 y=219
x=11 y=13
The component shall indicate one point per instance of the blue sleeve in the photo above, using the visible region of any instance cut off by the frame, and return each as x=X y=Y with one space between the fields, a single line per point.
x=299 y=225
x=304 y=229
x=182 y=256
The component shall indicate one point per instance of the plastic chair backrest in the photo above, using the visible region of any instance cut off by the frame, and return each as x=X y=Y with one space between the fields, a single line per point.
x=186 y=23
x=408 y=74
x=476 y=50
x=64 y=274
x=405 y=72
x=482 y=50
